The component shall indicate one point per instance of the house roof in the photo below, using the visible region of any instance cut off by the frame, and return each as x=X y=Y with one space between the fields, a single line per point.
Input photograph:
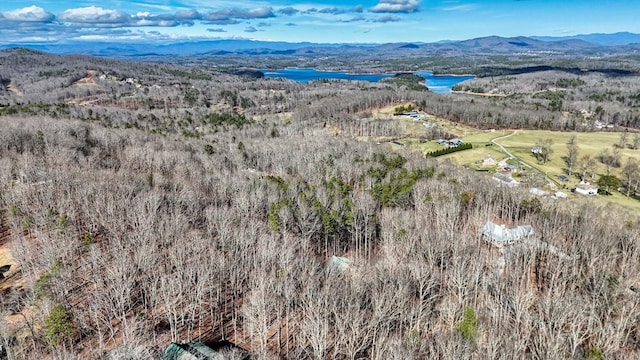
x=505 y=178
x=586 y=186
x=489 y=160
x=501 y=235
x=537 y=149
x=538 y=192
x=193 y=350
x=586 y=189
x=337 y=265
x=560 y=195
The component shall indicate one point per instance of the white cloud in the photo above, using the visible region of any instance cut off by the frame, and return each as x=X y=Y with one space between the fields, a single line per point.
x=289 y=11
x=396 y=6
x=467 y=7
x=148 y=19
x=99 y=17
x=93 y=37
x=94 y=15
x=28 y=14
x=189 y=14
x=154 y=22
x=387 y=18
x=228 y=14
x=332 y=11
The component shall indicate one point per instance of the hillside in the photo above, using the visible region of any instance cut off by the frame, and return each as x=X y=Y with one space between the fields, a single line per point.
x=150 y=203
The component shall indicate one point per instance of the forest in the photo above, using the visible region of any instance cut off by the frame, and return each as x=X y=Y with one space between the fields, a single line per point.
x=144 y=204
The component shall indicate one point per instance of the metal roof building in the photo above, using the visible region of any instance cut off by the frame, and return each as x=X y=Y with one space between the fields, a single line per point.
x=193 y=350
x=500 y=235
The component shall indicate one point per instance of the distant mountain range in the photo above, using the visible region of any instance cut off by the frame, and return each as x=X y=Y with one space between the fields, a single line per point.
x=181 y=48
x=621 y=38
x=623 y=42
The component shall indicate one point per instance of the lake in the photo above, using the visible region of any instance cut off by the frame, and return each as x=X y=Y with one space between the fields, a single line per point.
x=441 y=84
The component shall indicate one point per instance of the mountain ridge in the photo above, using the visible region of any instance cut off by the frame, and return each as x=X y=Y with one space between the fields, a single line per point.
x=488 y=44
x=614 y=39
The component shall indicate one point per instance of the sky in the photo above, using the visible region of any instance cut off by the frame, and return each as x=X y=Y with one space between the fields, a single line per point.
x=319 y=21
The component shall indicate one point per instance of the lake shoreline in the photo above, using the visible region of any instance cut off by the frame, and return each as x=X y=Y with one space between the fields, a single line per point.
x=440 y=83
x=275 y=71
x=456 y=75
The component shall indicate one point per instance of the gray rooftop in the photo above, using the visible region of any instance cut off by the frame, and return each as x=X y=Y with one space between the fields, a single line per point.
x=501 y=235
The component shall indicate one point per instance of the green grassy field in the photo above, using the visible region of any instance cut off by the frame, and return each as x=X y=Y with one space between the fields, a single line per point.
x=519 y=143
x=475 y=155
x=591 y=144
x=480 y=137
x=467 y=157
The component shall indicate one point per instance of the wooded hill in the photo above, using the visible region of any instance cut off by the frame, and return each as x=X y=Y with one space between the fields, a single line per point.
x=134 y=226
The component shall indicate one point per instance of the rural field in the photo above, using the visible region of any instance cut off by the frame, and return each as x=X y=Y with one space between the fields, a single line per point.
x=591 y=144
x=519 y=143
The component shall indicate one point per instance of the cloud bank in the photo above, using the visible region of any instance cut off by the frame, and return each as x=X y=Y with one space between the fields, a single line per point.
x=99 y=22
x=28 y=14
x=396 y=6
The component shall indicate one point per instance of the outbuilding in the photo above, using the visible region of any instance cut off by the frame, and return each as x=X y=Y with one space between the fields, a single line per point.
x=505 y=180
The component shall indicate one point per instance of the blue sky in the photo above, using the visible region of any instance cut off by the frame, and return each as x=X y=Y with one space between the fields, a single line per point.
x=325 y=21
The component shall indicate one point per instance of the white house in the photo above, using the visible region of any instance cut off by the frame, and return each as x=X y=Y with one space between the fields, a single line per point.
x=559 y=195
x=538 y=192
x=452 y=142
x=585 y=188
x=455 y=142
x=414 y=115
x=489 y=161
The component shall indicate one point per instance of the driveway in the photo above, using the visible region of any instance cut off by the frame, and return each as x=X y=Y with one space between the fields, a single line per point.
x=552 y=184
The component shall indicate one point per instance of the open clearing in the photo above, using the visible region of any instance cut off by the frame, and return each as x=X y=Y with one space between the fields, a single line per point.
x=6 y=258
x=592 y=144
x=519 y=143
x=88 y=80
x=14 y=89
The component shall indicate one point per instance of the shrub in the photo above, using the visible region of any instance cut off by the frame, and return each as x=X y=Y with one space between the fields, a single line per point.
x=208 y=148
x=58 y=327
x=595 y=354
x=468 y=326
